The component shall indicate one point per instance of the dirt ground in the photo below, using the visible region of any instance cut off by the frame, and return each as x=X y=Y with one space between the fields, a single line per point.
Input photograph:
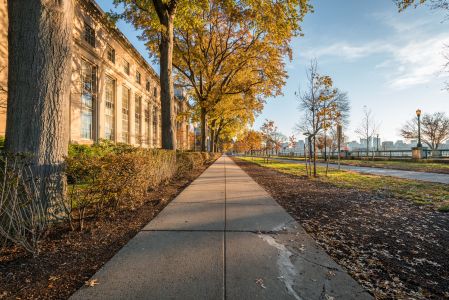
x=394 y=248
x=69 y=258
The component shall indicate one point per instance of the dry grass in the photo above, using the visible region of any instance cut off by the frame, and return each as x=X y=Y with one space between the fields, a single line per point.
x=419 y=192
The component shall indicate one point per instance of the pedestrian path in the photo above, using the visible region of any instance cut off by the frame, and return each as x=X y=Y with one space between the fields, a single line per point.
x=223 y=237
x=414 y=175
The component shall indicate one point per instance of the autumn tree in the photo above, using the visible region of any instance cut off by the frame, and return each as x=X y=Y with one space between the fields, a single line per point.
x=39 y=68
x=240 y=146
x=230 y=116
x=367 y=128
x=254 y=140
x=236 y=48
x=434 y=129
x=157 y=19
x=267 y=129
x=249 y=141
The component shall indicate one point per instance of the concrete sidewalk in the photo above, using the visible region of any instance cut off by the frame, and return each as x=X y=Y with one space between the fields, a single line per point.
x=223 y=237
x=414 y=175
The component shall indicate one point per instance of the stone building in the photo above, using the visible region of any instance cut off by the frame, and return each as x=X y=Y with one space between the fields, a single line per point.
x=115 y=93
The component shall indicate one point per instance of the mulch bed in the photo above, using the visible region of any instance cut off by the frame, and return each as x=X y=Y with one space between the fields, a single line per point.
x=395 y=249
x=69 y=258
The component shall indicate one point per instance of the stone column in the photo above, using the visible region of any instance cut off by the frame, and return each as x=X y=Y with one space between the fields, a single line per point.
x=417 y=153
x=118 y=110
x=132 y=123
x=100 y=105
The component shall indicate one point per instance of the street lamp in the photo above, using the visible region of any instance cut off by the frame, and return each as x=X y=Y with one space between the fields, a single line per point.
x=418 y=114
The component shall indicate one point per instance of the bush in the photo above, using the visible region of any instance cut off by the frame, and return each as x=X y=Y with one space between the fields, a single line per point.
x=101 y=178
x=188 y=161
x=23 y=217
x=106 y=175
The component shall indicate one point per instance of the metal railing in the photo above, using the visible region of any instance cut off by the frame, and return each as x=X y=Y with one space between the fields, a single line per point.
x=360 y=154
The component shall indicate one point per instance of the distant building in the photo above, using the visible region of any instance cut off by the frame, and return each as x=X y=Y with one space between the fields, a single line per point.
x=354 y=146
x=388 y=145
x=400 y=145
x=376 y=143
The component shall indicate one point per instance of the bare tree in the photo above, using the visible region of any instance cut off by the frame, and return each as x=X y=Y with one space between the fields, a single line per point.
x=309 y=105
x=434 y=129
x=368 y=127
x=433 y=4
x=322 y=107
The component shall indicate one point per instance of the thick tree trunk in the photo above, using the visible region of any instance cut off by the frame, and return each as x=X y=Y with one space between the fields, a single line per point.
x=203 y=129
x=39 y=68
x=167 y=93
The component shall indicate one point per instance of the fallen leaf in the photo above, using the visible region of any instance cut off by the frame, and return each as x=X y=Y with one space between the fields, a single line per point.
x=91 y=282
x=259 y=281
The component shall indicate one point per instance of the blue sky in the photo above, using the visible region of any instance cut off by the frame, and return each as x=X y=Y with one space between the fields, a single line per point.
x=391 y=62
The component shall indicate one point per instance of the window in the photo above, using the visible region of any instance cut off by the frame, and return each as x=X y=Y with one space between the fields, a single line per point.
x=147 y=85
x=138 y=77
x=125 y=115
x=109 y=110
x=126 y=67
x=88 y=93
x=89 y=35
x=155 y=92
x=146 y=113
x=154 y=127
x=137 y=119
x=110 y=53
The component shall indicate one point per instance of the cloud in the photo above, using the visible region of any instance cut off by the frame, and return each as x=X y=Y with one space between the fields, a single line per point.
x=349 y=51
x=407 y=60
x=420 y=61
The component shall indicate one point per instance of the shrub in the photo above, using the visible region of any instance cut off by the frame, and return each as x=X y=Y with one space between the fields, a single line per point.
x=112 y=176
x=101 y=177
x=23 y=217
x=188 y=161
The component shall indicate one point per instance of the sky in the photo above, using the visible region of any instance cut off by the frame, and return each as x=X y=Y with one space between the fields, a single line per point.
x=391 y=62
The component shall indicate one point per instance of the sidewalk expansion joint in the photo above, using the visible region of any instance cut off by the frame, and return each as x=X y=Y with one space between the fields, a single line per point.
x=219 y=230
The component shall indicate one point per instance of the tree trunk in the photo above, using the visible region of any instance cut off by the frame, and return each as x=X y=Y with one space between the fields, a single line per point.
x=167 y=93
x=314 y=156
x=217 y=134
x=212 y=140
x=39 y=68
x=325 y=145
x=203 y=129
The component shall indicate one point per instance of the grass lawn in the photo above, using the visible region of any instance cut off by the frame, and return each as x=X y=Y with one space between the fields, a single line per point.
x=387 y=164
x=400 y=165
x=421 y=193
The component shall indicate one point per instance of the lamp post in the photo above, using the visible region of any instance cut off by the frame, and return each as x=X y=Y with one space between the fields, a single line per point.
x=418 y=114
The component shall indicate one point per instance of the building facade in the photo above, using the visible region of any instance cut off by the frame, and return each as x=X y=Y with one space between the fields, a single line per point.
x=115 y=93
